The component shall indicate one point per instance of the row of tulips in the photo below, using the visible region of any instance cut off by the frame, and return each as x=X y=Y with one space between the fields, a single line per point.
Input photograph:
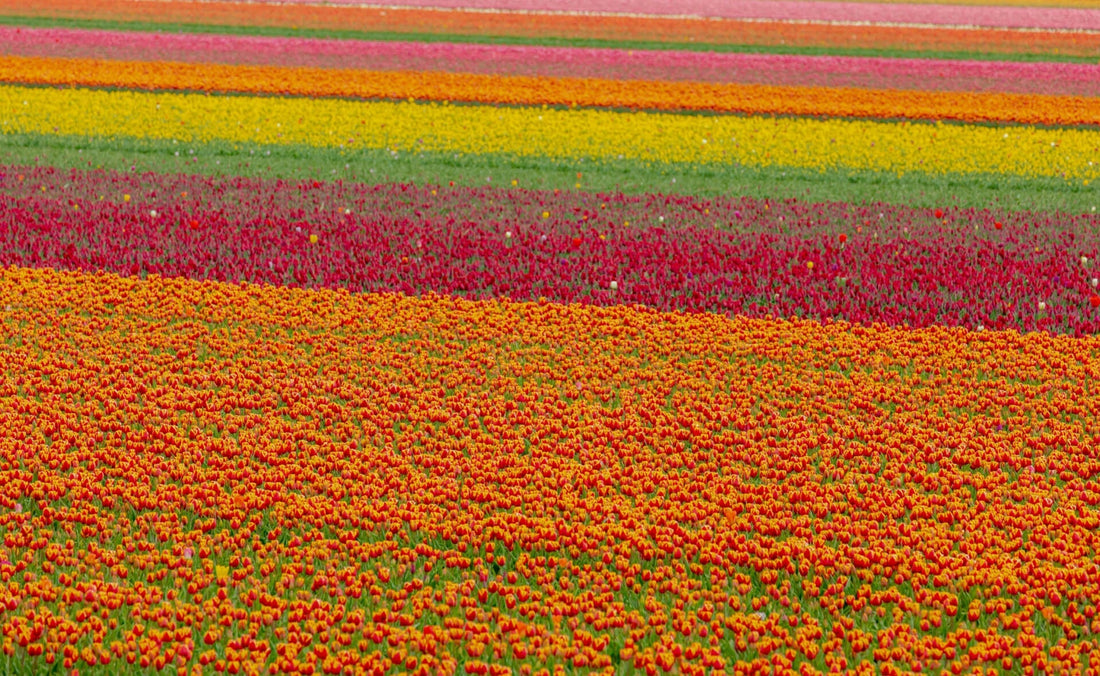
x=209 y=477
x=1023 y=77
x=758 y=258
x=685 y=32
x=561 y=134
x=1050 y=17
x=556 y=91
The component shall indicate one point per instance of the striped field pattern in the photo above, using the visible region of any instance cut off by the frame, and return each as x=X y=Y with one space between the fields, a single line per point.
x=528 y=337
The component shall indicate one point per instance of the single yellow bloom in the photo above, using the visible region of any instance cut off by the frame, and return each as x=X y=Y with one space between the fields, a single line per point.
x=313 y=239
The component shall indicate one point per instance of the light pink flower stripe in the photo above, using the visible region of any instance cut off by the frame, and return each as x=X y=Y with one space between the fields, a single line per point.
x=804 y=10
x=823 y=71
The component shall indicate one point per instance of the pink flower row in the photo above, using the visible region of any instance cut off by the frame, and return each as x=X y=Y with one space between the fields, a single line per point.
x=1058 y=18
x=788 y=70
x=862 y=263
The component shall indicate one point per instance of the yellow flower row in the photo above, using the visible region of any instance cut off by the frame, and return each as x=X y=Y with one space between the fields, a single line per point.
x=566 y=134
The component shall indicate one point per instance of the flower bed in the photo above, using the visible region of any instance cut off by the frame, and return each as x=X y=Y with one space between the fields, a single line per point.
x=1022 y=77
x=578 y=134
x=546 y=485
x=556 y=91
x=680 y=32
x=262 y=426
x=867 y=264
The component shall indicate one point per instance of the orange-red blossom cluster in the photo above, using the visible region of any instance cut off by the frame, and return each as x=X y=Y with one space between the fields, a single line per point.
x=203 y=476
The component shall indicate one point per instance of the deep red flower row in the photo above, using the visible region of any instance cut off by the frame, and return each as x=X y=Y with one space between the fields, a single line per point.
x=868 y=263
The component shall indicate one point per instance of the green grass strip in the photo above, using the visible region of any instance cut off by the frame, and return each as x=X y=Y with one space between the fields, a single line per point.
x=276 y=31
x=220 y=158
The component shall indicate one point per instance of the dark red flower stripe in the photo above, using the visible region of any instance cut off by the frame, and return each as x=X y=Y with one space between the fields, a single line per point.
x=871 y=263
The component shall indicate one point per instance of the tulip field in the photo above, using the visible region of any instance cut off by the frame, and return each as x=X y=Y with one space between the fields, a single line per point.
x=528 y=337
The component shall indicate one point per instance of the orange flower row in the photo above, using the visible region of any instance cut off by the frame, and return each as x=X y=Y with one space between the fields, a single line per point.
x=238 y=478
x=523 y=25
x=529 y=90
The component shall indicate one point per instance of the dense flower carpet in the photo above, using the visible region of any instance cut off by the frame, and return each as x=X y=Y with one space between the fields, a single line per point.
x=530 y=337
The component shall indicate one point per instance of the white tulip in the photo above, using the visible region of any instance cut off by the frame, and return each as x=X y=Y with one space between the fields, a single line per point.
x=1042 y=306
x=508 y=234
x=614 y=285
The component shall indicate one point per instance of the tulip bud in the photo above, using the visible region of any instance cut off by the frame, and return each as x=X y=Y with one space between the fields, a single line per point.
x=614 y=285
x=1042 y=306
x=1094 y=281
x=1084 y=260
x=508 y=234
